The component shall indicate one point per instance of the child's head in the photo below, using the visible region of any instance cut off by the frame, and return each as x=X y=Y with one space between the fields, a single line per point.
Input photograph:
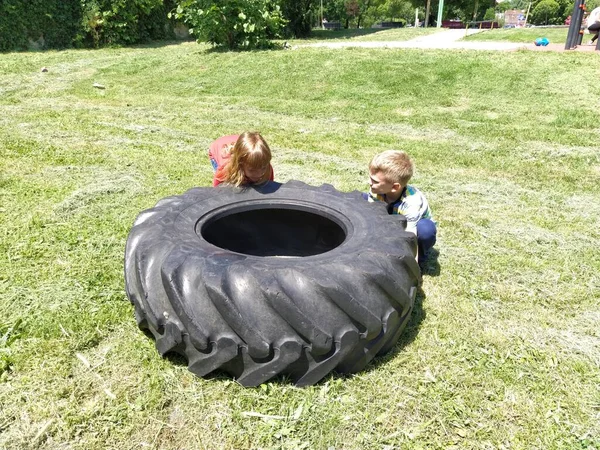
x=250 y=160
x=389 y=172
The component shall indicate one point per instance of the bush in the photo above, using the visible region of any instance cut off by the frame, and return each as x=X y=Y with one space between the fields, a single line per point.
x=52 y=23
x=68 y=23
x=234 y=24
x=123 y=22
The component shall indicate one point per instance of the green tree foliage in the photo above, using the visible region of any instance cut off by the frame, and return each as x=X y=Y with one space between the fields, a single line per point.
x=363 y=10
x=123 y=22
x=465 y=10
x=299 y=15
x=367 y=12
x=546 y=12
x=490 y=14
x=590 y=5
x=505 y=6
x=234 y=24
x=50 y=23
x=334 y=11
x=554 y=13
x=566 y=9
x=399 y=9
x=339 y=11
x=389 y=11
x=68 y=23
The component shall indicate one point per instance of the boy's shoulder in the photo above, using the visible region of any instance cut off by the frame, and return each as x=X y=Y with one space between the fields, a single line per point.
x=412 y=190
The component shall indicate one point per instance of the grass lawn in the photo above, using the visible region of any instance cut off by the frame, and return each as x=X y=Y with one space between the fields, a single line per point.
x=529 y=35
x=503 y=351
x=366 y=34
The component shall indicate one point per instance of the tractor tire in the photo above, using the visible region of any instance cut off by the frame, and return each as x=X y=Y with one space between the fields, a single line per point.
x=282 y=279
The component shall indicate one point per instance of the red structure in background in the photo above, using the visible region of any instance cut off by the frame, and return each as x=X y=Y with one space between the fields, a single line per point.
x=459 y=24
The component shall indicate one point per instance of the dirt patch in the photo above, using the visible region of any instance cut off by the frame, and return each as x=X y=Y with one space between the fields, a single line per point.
x=561 y=48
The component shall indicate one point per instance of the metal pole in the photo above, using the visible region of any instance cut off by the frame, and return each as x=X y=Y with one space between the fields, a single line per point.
x=578 y=21
x=577 y=34
x=322 y=24
x=575 y=26
x=439 y=17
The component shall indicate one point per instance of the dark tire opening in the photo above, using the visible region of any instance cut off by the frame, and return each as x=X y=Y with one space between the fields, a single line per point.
x=268 y=231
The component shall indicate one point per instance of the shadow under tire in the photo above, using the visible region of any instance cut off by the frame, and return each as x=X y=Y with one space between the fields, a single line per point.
x=282 y=279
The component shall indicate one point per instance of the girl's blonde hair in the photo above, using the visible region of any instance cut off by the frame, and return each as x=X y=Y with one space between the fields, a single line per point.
x=250 y=151
x=395 y=165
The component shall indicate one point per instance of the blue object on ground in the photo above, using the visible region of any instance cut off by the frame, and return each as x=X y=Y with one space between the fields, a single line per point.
x=542 y=41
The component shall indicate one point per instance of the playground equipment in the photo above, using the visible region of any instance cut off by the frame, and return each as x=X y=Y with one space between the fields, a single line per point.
x=575 y=34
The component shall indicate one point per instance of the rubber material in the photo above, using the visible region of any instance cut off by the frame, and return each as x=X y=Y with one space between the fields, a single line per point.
x=283 y=279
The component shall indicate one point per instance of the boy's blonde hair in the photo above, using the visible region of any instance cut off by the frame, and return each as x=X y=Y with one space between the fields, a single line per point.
x=250 y=151
x=395 y=165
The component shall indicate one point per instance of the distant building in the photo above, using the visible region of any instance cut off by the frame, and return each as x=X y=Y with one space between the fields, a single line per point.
x=514 y=17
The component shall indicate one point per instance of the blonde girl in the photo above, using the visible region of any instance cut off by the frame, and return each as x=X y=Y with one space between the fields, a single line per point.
x=246 y=162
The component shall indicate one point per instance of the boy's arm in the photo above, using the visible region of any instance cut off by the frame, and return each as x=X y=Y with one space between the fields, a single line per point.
x=414 y=207
x=411 y=224
x=412 y=212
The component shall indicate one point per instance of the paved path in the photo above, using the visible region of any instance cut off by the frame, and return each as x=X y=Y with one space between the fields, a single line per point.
x=446 y=39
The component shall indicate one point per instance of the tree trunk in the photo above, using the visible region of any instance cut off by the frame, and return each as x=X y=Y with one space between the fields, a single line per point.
x=427 y=10
x=475 y=10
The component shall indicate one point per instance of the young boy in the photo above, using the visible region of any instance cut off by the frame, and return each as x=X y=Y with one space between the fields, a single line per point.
x=389 y=173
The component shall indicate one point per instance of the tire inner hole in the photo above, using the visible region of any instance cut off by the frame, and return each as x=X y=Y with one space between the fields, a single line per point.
x=272 y=231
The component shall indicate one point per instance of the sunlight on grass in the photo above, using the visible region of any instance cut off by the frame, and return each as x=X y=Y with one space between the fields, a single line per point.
x=366 y=34
x=528 y=35
x=502 y=349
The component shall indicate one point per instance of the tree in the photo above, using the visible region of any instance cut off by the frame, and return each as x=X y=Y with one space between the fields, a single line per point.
x=490 y=14
x=546 y=11
x=364 y=7
x=467 y=10
x=365 y=13
x=397 y=9
x=352 y=10
x=504 y=6
x=299 y=16
x=335 y=10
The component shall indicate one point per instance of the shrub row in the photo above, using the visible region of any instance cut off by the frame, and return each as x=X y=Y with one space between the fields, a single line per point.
x=82 y=23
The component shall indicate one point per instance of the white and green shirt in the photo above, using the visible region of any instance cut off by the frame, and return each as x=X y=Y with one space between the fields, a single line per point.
x=412 y=204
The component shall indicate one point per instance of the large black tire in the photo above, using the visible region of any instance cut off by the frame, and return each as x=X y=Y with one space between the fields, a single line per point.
x=279 y=279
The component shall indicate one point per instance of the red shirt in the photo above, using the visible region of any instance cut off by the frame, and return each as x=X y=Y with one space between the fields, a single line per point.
x=219 y=153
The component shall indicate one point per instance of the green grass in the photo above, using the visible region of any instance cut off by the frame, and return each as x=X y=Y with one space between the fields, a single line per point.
x=366 y=34
x=529 y=35
x=503 y=348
